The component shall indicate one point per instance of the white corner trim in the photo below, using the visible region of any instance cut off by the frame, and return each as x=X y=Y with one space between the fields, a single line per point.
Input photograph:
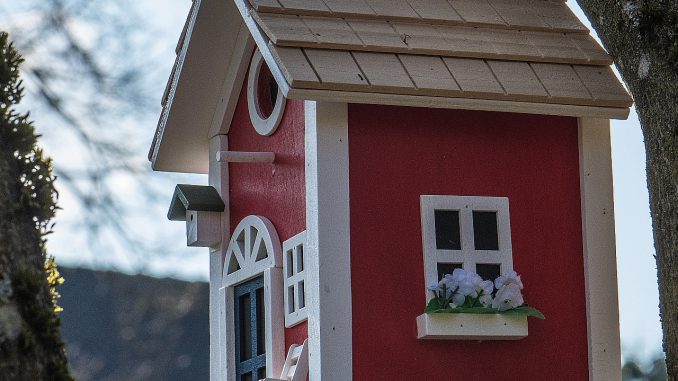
x=294 y=271
x=600 y=264
x=265 y=126
x=218 y=178
x=328 y=242
x=243 y=248
x=458 y=103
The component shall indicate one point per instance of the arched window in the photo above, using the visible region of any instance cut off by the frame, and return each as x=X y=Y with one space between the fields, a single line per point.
x=252 y=329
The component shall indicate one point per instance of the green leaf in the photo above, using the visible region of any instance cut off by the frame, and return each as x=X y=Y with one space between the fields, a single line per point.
x=434 y=307
x=525 y=310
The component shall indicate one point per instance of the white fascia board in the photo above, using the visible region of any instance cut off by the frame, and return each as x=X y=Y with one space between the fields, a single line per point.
x=459 y=103
x=213 y=37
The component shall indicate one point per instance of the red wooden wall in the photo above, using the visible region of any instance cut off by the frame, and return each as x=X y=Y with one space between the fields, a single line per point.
x=398 y=154
x=276 y=191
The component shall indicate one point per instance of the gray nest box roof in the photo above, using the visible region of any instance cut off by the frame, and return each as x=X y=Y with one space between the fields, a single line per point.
x=194 y=197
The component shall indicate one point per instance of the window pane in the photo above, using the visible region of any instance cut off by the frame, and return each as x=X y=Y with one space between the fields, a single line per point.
x=488 y=271
x=245 y=324
x=447 y=268
x=261 y=327
x=246 y=377
x=300 y=258
x=261 y=373
x=302 y=295
x=290 y=299
x=485 y=235
x=448 y=236
x=290 y=267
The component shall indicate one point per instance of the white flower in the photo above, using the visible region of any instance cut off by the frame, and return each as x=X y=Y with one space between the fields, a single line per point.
x=509 y=278
x=458 y=299
x=487 y=287
x=434 y=286
x=508 y=296
x=486 y=300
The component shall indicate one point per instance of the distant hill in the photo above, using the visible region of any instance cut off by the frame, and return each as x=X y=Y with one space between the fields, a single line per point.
x=121 y=327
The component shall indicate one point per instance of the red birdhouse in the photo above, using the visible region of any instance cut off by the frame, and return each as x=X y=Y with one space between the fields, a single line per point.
x=388 y=168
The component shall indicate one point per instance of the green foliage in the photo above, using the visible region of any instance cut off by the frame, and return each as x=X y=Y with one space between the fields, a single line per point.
x=54 y=279
x=33 y=276
x=37 y=195
x=434 y=307
x=658 y=25
x=653 y=369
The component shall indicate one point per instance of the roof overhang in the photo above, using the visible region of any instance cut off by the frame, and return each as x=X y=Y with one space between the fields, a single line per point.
x=220 y=36
x=202 y=91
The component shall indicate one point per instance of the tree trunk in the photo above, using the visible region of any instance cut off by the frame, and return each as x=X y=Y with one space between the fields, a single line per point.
x=30 y=343
x=642 y=38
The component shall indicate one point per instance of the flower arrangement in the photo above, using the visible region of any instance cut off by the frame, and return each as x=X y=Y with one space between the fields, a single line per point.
x=466 y=292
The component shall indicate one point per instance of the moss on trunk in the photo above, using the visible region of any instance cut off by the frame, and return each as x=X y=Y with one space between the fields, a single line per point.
x=31 y=347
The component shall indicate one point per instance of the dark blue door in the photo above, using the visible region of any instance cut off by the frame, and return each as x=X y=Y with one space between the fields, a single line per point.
x=250 y=334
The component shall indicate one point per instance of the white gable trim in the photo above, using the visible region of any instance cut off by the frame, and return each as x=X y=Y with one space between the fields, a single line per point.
x=235 y=78
x=216 y=40
x=328 y=256
x=600 y=263
x=262 y=43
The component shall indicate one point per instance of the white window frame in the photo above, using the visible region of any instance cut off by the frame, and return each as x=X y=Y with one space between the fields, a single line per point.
x=293 y=278
x=248 y=236
x=468 y=256
x=265 y=126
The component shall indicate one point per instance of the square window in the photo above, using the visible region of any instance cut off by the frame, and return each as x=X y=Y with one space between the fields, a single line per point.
x=295 y=278
x=468 y=232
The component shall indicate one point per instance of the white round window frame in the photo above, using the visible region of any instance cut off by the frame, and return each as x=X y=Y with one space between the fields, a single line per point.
x=264 y=126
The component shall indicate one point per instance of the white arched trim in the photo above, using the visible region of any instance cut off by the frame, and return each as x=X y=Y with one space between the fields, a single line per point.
x=265 y=126
x=254 y=250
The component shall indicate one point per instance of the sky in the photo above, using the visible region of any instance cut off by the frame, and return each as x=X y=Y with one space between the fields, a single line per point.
x=638 y=295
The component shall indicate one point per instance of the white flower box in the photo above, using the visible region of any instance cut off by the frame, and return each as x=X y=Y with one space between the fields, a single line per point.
x=461 y=326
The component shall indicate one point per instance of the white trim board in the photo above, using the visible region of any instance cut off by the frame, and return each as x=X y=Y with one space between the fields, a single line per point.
x=600 y=263
x=328 y=242
x=218 y=178
x=459 y=103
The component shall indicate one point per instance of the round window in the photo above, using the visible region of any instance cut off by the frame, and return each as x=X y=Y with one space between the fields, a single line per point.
x=265 y=101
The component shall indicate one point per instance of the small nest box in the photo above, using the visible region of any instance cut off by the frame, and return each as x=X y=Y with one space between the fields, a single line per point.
x=201 y=207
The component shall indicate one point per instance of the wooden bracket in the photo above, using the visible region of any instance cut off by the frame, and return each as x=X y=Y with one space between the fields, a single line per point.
x=245 y=157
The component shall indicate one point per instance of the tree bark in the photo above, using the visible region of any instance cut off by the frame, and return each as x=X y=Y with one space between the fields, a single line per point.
x=642 y=38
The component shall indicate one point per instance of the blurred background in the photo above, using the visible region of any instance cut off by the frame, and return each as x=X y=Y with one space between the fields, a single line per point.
x=94 y=74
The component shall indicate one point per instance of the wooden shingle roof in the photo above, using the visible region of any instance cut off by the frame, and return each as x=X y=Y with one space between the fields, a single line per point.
x=504 y=50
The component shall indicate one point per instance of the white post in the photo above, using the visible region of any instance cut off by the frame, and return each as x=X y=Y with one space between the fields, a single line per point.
x=328 y=241
x=218 y=178
x=600 y=263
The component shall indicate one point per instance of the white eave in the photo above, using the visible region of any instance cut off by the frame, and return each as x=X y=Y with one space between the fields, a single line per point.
x=203 y=89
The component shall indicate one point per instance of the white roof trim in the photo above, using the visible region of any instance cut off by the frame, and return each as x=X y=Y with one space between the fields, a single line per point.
x=209 y=63
x=460 y=103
